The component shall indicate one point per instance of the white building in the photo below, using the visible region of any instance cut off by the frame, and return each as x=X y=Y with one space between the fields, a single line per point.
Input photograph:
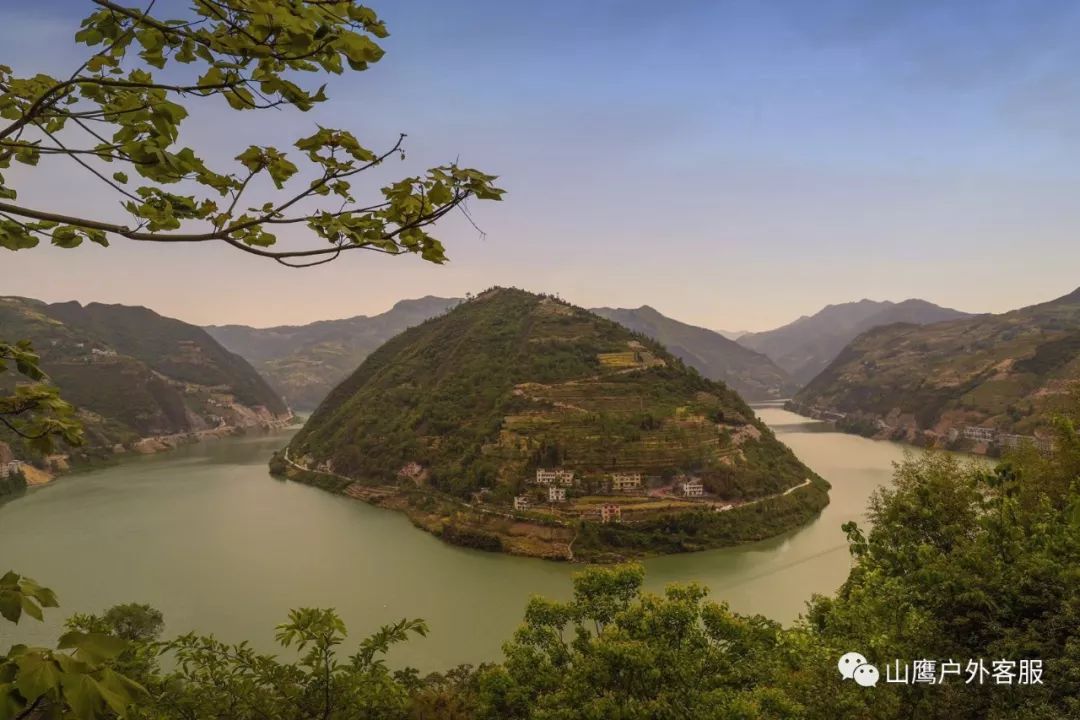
x=521 y=502
x=610 y=512
x=556 y=494
x=623 y=482
x=10 y=468
x=564 y=478
x=980 y=434
x=692 y=488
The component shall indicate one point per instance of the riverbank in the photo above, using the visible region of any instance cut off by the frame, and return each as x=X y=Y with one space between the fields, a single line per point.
x=96 y=457
x=648 y=527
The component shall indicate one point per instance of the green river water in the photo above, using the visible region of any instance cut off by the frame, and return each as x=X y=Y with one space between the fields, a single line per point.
x=208 y=537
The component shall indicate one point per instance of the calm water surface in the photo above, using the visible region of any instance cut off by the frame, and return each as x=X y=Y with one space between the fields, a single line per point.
x=208 y=537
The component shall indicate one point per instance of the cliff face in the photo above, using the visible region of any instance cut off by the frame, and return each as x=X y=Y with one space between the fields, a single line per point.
x=134 y=374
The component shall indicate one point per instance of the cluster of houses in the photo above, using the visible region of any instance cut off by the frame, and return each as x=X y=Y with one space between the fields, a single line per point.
x=557 y=481
x=10 y=468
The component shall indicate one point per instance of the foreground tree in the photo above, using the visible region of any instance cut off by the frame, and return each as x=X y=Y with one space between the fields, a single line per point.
x=233 y=682
x=32 y=410
x=118 y=117
x=76 y=680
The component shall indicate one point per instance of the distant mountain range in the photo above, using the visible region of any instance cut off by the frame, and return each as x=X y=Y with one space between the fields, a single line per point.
x=1006 y=373
x=134 y=374
x=749 y=373
x=305 y=362
x=805 y=347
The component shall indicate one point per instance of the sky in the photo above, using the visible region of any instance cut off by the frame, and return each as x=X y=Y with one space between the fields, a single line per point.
x=733 y=164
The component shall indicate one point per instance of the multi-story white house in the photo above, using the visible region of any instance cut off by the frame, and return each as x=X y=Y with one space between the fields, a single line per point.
x=692 y=488
x=10 y=468
x=521 y=502
x=623 y=482
x=564 y=478
x=610 y=512
x=556 y=494
x=980 y=434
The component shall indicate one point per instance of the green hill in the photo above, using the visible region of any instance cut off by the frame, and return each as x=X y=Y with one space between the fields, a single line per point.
x=134 y=374
x=304 y=362
x=928 y=384
x=751 y=374
x=450 y=419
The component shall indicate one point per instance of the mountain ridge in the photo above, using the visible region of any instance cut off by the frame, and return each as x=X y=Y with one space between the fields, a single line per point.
x=980 y=383
x=806 y=346
x=750 y=373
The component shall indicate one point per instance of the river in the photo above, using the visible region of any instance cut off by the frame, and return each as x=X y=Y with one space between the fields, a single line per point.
x=207 y=536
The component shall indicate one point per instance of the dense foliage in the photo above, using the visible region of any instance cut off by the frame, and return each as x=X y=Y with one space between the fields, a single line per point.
x=509 y=380
x=119 y=116
x=962 y=562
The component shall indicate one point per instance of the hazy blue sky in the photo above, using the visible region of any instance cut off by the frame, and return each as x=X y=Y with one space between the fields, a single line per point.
x=733 y=164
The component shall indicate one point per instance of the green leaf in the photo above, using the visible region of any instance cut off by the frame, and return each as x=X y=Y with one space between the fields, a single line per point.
x=92 y=647
x=37 y=676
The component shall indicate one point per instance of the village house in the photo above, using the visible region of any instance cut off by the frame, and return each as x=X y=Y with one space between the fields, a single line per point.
x=624 y=482
x=610 y=512
x=10 y=468
x=692 y=488
x=564 y=478
x=980 y=434
x=521 y=502
x=556 y=494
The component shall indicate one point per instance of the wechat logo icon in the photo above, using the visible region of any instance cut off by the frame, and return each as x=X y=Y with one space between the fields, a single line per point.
x=854 y=666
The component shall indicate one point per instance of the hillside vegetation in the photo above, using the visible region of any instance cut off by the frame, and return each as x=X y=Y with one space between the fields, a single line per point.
x=805 y=347
x=304 y=362
x=1009 y=373
x=134 y=374
x=751 y=374
x=469 y=405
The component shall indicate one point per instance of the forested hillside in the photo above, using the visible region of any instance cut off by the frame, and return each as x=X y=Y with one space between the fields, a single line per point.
x=805 y=347
x=471 y=404
x=1006 y=374
x=134 y=374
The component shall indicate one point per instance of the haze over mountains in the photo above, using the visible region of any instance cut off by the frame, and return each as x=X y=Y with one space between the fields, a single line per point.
x=806 y=346
x=1009 y=373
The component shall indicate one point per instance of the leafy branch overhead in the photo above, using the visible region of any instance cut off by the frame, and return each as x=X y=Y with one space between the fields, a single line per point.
x=33 y=409
x=119 y=117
